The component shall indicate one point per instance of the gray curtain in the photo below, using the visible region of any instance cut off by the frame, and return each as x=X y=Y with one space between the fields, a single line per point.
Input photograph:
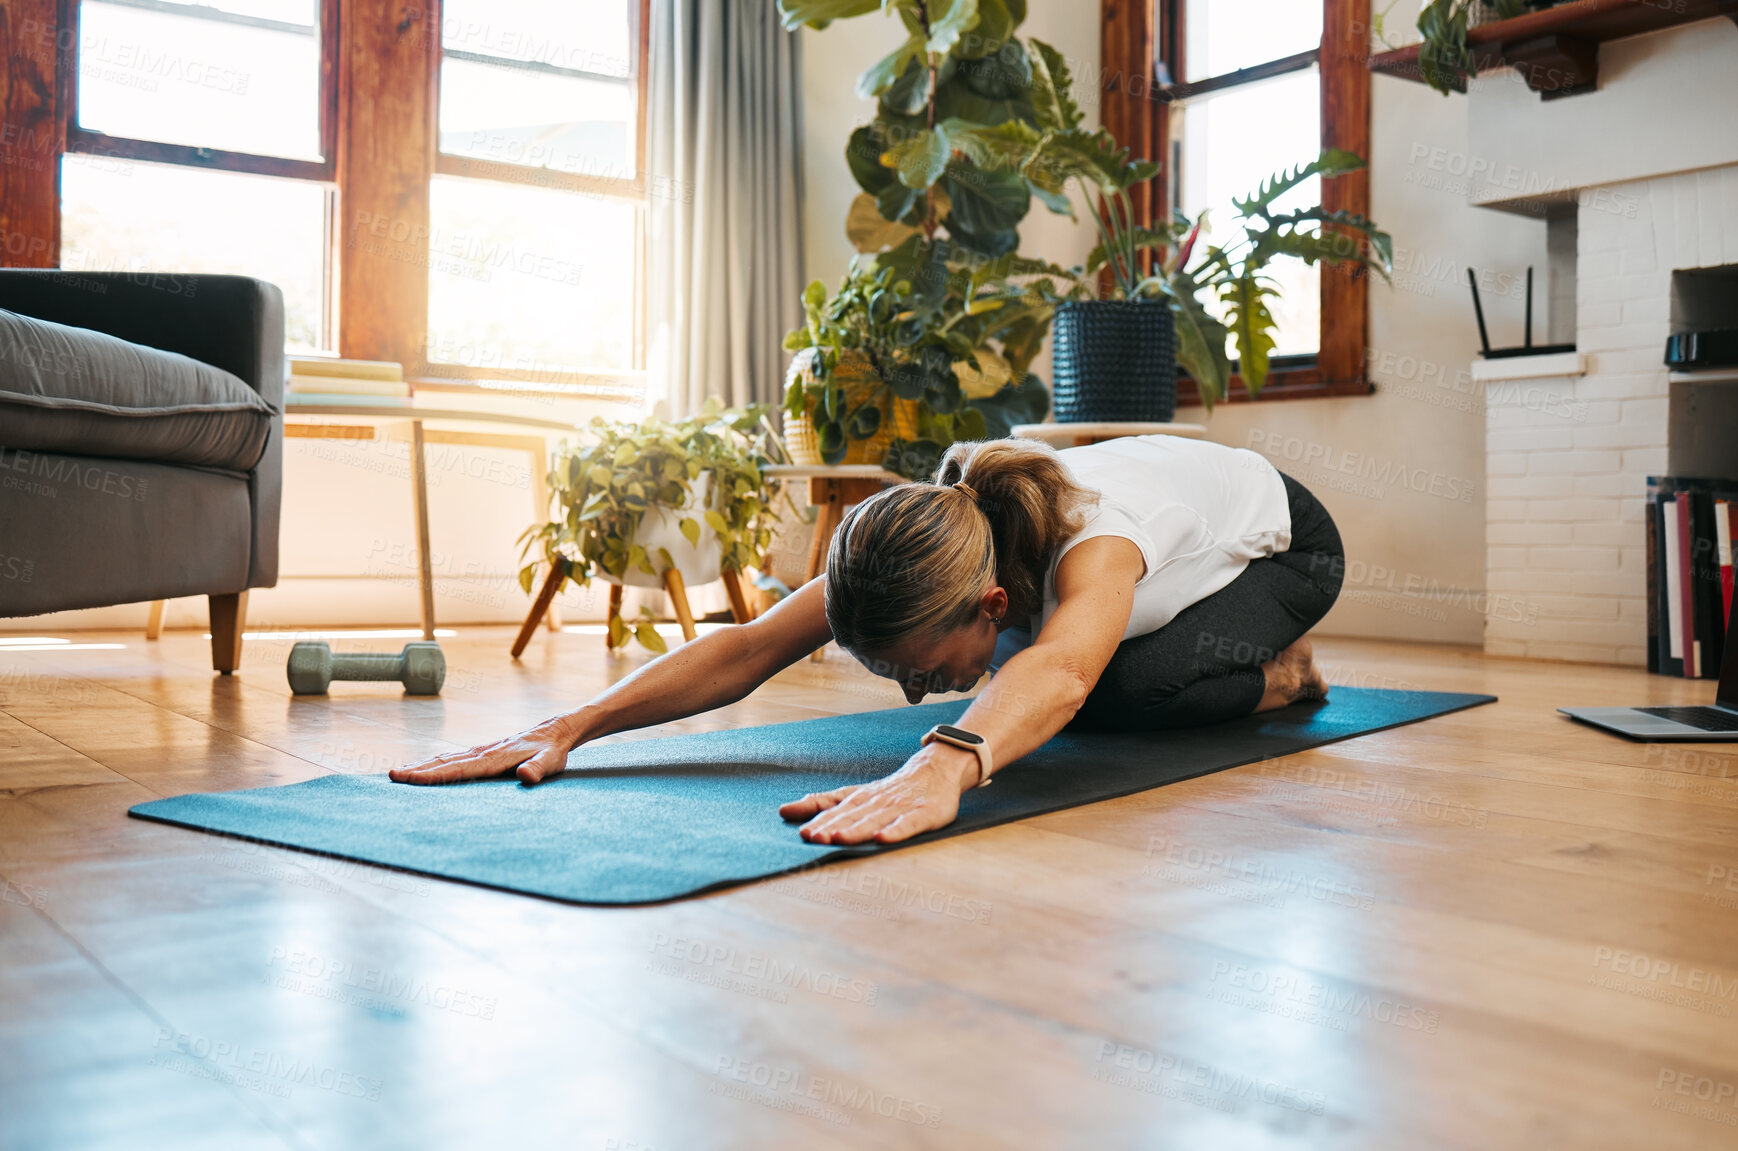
x=724 y=241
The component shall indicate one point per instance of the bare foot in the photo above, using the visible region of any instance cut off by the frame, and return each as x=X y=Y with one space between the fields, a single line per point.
x=1291 y=676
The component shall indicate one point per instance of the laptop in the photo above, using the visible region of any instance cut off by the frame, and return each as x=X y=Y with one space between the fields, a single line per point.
x=1716 y=724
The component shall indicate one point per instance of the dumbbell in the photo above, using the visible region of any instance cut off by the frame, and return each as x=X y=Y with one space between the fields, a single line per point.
x=420 y=667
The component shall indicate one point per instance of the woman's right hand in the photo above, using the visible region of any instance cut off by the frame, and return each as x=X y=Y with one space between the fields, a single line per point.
x=536 y=755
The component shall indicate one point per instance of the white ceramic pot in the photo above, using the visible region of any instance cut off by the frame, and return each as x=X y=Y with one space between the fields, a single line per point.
x=661 y=527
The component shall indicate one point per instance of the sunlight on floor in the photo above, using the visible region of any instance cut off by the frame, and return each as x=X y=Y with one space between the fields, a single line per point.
x=51 y=643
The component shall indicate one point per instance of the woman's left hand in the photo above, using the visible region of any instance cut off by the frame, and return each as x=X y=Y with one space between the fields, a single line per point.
x=921 y=796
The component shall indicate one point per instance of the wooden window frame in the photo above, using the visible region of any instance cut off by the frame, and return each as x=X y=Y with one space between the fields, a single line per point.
x=379 y=141
x=1142 y=44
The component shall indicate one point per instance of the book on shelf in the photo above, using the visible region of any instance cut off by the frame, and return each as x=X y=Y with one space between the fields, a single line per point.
x=347 y=369
x=1691 y=525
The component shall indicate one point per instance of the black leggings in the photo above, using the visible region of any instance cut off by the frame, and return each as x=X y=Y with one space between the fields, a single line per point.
x=1205 y=665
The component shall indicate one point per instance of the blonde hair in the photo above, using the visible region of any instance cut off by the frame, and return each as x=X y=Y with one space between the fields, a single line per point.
x=914 y=560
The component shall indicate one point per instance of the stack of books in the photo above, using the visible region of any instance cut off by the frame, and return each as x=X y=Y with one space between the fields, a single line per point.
x=325 y=380
x=1691 y=524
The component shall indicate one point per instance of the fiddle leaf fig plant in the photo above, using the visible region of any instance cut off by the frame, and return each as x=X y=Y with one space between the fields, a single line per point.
x=605 y=486
x=944 y=225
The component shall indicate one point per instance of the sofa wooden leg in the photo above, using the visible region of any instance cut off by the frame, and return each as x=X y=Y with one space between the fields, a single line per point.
x=154 y=621
x=228 y=621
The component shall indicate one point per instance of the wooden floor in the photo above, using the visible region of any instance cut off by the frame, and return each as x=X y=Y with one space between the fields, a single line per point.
x=1497 y=929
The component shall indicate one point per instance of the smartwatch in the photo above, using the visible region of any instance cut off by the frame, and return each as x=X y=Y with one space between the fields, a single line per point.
x=970 y=740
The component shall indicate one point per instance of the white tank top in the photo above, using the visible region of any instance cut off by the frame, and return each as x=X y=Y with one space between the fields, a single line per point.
x=1199 y=512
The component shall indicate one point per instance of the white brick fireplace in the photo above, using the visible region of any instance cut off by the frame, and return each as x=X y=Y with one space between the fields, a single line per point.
x=1569 y=453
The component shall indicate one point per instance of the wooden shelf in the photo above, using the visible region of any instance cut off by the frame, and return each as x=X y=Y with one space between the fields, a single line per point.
x=1556 y=50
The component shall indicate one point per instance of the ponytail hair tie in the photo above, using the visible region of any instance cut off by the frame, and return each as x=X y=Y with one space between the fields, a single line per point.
x=961 y=485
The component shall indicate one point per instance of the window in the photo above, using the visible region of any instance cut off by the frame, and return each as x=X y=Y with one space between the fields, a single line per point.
x=535 y=210
x=1245 y=123
x=199 y=139
x=237 y=75
x=1229 y=92
x=467 y=198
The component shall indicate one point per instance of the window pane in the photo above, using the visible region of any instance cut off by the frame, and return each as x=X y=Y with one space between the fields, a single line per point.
x=242 y=76
x=1232 y=141
x=1222 y=36
x=585 y=35
x=118 y=215
x=540 y=83
x=512 y=116
x=523 y=277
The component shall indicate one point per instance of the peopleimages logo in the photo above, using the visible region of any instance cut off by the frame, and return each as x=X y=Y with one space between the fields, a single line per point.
x=1283 y=987
x=720 y=961
x=1119 y=1063
x=1664 y=980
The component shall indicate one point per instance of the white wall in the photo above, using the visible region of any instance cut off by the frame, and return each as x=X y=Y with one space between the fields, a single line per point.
x=1417 y=558
x=1638 y=124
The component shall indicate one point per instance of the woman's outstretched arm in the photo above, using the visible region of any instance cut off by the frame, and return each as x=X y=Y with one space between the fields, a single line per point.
x=1029 y=700
x=711 y=671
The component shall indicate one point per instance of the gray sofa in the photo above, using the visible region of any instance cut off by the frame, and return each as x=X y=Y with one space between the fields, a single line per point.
x=141 y=442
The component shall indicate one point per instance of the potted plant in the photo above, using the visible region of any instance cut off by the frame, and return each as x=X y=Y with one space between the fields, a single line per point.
x=1118 y=344
x=946 y=229
x=1444 y=62
x=642 y=500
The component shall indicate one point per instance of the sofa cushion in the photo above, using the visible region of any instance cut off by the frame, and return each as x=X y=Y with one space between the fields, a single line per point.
x=65 y=389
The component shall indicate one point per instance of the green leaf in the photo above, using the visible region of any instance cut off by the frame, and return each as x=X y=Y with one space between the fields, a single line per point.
x=908 y=94
x=1252 y=325
x=618 y=631
x=884 y=72
x=1443 y=58
x=994 y=146
x=691 y=531
x=864 y=422
x=863 y=156
x=1139 y=237
x=920 y=158
x=869 y=231
x=985 y=202
x=994 y=25
x=948 y=19
x=814 y=299
x=1200 y=339
x=649 y=637
x=819 y=13
x=1003 y=72
x=1052 y=89
x=1332 y=162
x=717 y=522
x=527 y=574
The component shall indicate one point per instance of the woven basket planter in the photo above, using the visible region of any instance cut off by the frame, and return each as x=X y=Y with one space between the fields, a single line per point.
x=1115 y=361
x=858 y=377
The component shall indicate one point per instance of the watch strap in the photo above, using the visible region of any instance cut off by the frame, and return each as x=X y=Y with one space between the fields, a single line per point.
x=981 y=749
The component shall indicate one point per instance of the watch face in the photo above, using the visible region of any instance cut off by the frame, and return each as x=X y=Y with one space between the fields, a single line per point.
x=959 y=733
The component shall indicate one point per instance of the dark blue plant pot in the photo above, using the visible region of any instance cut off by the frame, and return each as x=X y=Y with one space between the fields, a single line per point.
x=1114 y=360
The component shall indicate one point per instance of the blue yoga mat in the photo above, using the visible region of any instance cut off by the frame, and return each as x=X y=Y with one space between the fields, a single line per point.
x=655 y=819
